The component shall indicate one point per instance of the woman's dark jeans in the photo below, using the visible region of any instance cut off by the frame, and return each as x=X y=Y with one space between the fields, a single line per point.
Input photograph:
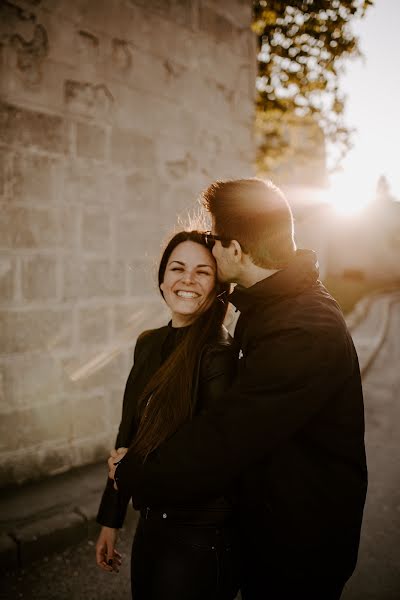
x=173 y=561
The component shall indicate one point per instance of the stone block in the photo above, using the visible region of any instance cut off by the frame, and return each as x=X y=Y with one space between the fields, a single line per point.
x=93 y=278
x=89 y=184
x=88 y=416
x=132 y=317
x=28 y=228
x=39 y=278
x=69 y=240
x=29 y=427
x=172 y=41
x=8 y=552
x=90 y=141
x=7 y=278
x=142 y=193
x=142 y=278
x=96 y=232
x=93 y=449
x=34 y=463
x=32 y=179
x=49 y=535
x=178 y=11
x=41 y=381
x=131 y=150
x=93 y=100
x=240 y=12
x=83 y=373
x=137 y=239
x=146 y=312
x=6 y=159
x=94 y=326
x=34 y=129
x=216 y=24
x=36 y=329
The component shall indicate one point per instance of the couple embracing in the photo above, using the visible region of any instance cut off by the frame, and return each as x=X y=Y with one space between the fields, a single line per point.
x=244 y=455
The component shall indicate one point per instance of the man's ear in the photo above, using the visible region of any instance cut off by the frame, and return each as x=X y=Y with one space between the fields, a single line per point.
x=236 y=250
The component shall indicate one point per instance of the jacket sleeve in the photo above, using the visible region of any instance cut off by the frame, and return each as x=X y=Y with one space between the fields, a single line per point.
x=274 y=396
x=114 y=504
x=217 y=372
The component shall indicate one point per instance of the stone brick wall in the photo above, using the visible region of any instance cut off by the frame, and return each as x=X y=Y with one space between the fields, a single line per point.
x=114 y=114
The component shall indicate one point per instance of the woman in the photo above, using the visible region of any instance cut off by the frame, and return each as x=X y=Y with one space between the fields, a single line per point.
x=188 y=552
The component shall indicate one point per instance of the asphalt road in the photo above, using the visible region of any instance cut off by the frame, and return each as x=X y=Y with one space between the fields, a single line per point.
x=378 y=572
x=73 y=574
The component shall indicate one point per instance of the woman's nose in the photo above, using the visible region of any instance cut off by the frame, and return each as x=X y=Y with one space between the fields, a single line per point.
x=188 y=277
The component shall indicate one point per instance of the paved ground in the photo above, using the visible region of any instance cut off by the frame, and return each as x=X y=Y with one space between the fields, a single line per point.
x=378 y=573
x=73 y=575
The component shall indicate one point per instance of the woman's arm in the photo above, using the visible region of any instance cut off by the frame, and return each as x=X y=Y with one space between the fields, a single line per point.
x=113 y=504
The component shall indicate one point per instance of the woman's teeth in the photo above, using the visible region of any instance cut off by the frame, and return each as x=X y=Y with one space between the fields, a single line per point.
x=183 y=294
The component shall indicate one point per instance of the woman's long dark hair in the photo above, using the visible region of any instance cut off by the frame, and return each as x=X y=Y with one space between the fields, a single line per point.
x=167 y=400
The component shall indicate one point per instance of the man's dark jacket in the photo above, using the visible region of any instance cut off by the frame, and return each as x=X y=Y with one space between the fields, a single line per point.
x=292 y=432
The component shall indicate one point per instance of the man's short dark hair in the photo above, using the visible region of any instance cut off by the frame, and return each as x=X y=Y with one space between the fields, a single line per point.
x=256 y=214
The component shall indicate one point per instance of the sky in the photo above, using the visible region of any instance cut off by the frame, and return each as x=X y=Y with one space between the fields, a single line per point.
x=372 y=86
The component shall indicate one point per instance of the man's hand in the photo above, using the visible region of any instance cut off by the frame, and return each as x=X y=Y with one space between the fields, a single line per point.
x=107 y=557
x=116 y=456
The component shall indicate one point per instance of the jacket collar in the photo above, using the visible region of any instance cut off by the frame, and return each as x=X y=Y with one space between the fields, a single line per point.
x=301 y=273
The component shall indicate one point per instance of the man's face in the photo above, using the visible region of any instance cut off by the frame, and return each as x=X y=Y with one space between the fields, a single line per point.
x=226 y=268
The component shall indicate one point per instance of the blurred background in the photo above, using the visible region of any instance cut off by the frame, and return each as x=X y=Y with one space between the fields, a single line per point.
x=114 y=115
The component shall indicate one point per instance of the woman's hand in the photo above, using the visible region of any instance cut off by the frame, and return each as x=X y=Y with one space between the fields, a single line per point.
x=107 y=557
x=116 y=455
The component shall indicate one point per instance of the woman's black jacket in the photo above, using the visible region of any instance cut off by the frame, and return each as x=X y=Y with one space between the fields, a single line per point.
x=215 y=372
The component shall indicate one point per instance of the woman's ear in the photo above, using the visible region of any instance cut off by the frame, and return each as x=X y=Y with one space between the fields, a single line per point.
x=162 y=286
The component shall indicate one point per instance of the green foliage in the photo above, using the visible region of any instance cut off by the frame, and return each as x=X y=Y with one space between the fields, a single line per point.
x=302 y=47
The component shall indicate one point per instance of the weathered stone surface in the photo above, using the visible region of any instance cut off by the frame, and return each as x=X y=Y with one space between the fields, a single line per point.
x=89 y=99
x=89 y=417
x=92 y=449
x=37 y=425
x=41 y=381
x=137 y=238
x=32 y=179
x=96 y=232
x=6 y=159
x=108 y=134
x=89 y=184
x=93 y=278
x=39 y=278
x=90 y=141
x=217 y=24
x=34 y=129
x=94 y=325
x=143 y=311
x=131 y=150
x=28 y=228
x=7 y=278
x=141 y=277
x=142 y=193
x=34 y=329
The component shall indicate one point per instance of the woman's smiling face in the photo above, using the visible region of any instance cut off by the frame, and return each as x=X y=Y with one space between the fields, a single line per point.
x=189 y=282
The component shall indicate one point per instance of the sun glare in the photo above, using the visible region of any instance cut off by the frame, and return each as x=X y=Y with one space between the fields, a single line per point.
x=346 y=195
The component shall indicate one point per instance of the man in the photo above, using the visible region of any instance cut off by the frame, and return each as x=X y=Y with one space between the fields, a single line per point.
x=291 y=443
